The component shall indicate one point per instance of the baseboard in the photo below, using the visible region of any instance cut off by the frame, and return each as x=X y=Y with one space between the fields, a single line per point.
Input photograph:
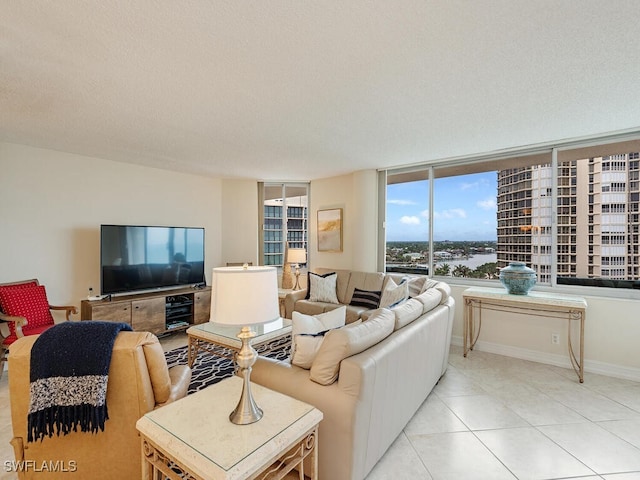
x=591 y=366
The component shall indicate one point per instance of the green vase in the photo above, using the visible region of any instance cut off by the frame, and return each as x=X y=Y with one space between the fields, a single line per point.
x=517 y=278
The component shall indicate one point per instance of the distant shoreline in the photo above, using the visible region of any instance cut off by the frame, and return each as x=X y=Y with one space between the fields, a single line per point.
x=473 y=262
x=426 y=242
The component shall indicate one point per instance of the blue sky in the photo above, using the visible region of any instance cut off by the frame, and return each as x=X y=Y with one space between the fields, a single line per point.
x=464 y=209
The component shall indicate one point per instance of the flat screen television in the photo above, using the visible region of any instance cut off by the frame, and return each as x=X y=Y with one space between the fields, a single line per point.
x=134 y=258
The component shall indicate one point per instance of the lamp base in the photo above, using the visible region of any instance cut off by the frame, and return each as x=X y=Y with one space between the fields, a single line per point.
x=247 y=411
x=297 y=285
x=287 y=280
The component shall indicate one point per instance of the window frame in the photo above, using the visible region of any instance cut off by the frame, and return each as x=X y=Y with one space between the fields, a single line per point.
x=555 y=153
x=284 y=220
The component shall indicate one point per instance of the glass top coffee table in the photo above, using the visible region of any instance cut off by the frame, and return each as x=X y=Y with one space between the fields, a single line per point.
x=222 y=339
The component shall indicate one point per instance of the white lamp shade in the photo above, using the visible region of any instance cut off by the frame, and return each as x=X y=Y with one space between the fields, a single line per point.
x=244 y=295
x=296 y=255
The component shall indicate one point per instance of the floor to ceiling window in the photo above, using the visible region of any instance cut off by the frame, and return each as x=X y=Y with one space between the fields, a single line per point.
x=464 y=222
x=407 y=221
x=283 y=219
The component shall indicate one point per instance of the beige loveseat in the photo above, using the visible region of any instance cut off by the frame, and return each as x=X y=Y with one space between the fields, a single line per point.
x=377 y=390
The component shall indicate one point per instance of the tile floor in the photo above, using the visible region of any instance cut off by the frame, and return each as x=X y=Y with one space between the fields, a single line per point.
x=494 y=417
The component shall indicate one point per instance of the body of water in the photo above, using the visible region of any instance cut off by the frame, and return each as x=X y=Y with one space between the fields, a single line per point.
x=472 y=262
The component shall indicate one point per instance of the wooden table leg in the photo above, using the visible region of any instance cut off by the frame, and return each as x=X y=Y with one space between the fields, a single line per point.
x=191 y=356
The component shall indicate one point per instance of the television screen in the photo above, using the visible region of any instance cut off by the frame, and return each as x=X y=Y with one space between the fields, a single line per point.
x=143 y=258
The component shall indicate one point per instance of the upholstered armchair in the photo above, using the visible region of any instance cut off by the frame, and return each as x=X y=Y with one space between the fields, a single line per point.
x=25 y=310
x=139 y=381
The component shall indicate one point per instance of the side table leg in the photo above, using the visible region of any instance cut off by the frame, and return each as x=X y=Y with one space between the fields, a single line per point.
x=147 y=468
x=190 y=354
x=314 y=456
x=577 y=363
x=465 y=326
x=582 y=346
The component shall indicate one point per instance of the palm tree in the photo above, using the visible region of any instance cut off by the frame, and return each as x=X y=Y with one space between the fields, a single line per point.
x=487 y=270
x=442 y=270
x=461 y=271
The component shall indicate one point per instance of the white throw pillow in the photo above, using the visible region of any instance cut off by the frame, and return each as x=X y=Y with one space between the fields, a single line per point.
x=416 y=285
x=303 y=352
x=307 y=346
x=323 y=289
x=394 y=294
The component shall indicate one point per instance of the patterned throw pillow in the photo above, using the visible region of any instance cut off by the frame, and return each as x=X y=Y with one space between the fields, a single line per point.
x=29 y=302
x=393 y=294
x=366 y=298
x=4 y=288
x=323 y=288
x=416 y=284
x=309 y=281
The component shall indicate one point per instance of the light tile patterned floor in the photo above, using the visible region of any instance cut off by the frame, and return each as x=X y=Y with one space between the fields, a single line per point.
x=494 y=417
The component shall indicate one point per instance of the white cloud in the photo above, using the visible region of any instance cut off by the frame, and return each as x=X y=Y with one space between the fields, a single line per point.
x=467 y=186
x=401 y=202
x=410 y=220
x=487 y=204
x=452 y=213
x=478 y=184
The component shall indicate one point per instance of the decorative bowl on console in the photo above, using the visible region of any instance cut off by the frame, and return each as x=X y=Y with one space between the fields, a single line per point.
x=517 y=278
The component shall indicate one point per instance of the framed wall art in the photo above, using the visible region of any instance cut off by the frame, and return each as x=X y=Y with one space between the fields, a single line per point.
x=330 y=230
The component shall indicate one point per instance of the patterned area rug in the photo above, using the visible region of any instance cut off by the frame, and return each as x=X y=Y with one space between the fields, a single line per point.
x=216 y=364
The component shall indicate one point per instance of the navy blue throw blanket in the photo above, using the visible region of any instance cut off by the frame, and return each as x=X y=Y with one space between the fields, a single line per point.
x=69 y=373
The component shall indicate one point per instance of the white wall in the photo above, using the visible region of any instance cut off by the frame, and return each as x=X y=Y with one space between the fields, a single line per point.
x=52 y=205
x=356 y=194
x=365 y=221
x=239 y=228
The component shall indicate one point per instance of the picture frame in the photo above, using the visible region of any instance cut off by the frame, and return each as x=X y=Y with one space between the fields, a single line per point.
x=330 y=230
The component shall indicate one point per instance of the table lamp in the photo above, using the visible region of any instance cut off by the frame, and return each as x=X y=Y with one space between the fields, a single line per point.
x=297 y=256
x=245 y=296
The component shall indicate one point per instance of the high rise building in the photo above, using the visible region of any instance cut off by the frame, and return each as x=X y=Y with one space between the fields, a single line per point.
x=278 y=226
x=597 y=212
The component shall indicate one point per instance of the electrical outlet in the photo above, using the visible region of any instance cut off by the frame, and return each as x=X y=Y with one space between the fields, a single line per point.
x=555 y=338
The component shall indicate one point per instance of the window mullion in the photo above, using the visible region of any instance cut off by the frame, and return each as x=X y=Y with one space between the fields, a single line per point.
x=285 y=225
x=554 y=217
x=430 y=208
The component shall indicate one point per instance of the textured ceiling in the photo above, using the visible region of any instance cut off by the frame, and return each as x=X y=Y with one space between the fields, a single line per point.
x=298 y=90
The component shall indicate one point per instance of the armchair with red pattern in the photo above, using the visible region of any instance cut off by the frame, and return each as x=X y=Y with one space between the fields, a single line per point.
x=26 y=310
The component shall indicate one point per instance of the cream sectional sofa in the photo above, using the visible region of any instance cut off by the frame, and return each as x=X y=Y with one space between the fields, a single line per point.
x=347 y=282
x=386 y=366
